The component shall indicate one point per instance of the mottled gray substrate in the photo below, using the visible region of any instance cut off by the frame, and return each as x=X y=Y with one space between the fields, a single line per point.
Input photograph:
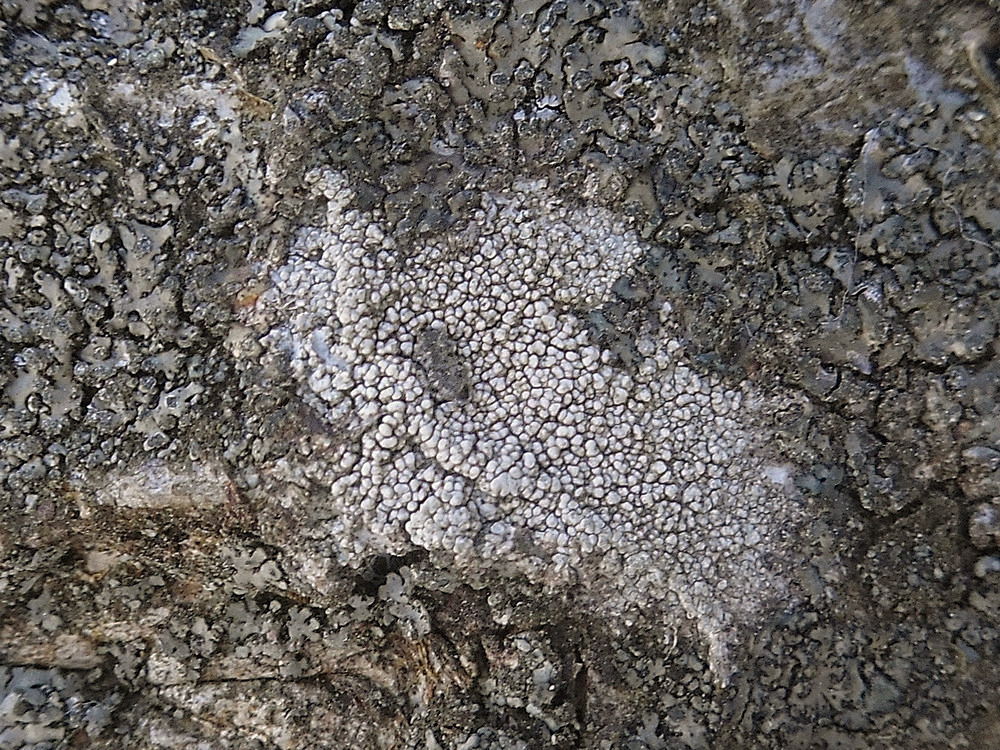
x=794 y=207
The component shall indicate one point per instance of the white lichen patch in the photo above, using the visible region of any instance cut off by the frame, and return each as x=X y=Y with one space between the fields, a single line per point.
x=156 y=485
x=472 y=414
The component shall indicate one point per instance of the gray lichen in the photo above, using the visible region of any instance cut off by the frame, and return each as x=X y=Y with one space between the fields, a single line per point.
x=810 y=188
x=651 y=486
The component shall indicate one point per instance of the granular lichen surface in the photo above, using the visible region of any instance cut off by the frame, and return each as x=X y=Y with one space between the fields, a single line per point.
x=475 y=415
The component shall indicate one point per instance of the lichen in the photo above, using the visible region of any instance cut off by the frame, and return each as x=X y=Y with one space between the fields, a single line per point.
x=652 y=485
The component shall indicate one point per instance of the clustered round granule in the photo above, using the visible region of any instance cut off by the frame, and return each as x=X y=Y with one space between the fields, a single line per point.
x=474 y=416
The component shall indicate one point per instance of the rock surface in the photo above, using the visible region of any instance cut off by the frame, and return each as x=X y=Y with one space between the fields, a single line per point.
x=521 y=374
